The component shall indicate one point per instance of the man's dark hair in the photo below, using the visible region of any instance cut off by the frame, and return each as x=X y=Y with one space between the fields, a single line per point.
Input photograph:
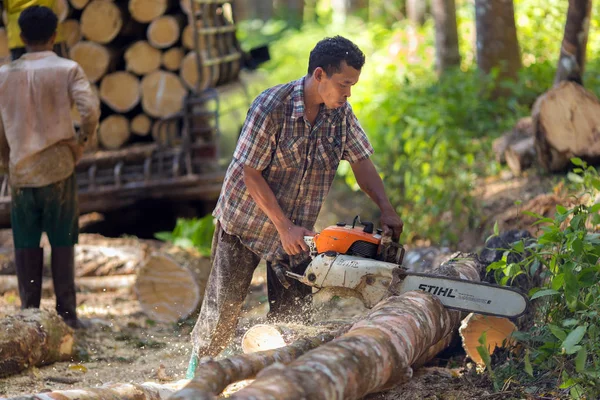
x=37 y=24
x=330 y=52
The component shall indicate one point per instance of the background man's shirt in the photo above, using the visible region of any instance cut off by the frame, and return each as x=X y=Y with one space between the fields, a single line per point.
x=37 y=137
x=298 y=161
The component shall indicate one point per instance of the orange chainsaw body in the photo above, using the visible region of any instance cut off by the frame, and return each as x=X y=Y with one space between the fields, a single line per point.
x=346 y=239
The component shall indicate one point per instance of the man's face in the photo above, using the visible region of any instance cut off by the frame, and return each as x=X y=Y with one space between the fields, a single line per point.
x=335 y=89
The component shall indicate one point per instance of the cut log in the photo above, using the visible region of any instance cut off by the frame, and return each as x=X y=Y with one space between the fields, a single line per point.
x=522 y=130
x=187 y=37
x=146 y=11
x=162 y=94
x=170 y=286
x=61 y=9
x=520 y=155
x=113 y=131
x=567 y=122
x=189 y=72
x=75 y=113
x=112 y=258
x=172 y=58
x=140 y=125
x=94 y=58
x=72 y=32
x=263 y=337
x=79 y=4
x=120 y=91
x=498 y=333
x=101 y=21
x=10 y=283
x=141 y=58
x=112 y=391
x=164 y=31
x=33 y=337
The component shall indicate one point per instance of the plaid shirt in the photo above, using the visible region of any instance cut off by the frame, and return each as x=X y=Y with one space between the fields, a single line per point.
x=299 y=163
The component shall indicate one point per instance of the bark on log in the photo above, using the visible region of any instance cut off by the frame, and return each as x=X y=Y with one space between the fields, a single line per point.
x=164 y=31
x=523 y=129
x=121 y=92
x=94 y=58
x=101 y=21
x=170 y=285
x=72 y=32
x=520 y=155
x=566 y=120
x=162 y=94
x=110 y=258
x=113 y=131
x=172 y=58
x=140 y=125
x=141 y=58
x=146 y=11
x=33 y=337
x=9 y=283
x=571 y=62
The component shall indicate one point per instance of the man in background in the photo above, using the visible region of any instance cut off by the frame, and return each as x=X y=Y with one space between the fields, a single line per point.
x=39 y=149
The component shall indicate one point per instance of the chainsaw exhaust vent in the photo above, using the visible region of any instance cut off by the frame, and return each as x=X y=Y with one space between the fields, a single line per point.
x=361 y=248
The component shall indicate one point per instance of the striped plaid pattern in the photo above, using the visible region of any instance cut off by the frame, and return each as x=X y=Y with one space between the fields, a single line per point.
x=298 y=162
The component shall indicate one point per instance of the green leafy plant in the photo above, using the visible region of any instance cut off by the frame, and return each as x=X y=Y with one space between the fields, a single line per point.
x=194 y=232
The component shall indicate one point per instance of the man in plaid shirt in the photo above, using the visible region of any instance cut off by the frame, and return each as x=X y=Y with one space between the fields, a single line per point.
x=292 y=141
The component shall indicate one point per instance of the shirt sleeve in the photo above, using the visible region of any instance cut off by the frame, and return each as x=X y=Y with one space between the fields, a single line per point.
x=4 y=149
x=87 y=104
x=357 y=147
x=257 y=139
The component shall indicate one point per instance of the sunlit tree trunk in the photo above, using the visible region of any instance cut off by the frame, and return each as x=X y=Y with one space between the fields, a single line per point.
x=497 y=43
x=446 y=34
x=572 y=51
x=415 y=11
x=344 y=8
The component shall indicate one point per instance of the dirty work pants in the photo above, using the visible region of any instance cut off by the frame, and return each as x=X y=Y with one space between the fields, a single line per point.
x=233 y=265
x=52 y=209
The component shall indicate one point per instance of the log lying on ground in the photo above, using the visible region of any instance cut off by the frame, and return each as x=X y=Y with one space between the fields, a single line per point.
x=523 y=129
x=520 y=156
x=121 y=391
x=33 y=337
x=566 y=120
x=498 y=333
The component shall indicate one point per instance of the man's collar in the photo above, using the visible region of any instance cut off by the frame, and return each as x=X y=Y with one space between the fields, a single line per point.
x=38 y=54
x=298 y=102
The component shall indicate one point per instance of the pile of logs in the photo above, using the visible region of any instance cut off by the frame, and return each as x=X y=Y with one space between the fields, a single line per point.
x=142 y=58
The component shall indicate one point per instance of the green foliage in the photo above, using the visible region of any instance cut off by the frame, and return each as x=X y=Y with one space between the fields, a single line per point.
x=565 y=343
x=188 y=233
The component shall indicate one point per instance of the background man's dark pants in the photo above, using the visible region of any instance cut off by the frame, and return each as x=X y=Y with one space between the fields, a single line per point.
x=52 y=209
x=59 y=48
x=233 y=265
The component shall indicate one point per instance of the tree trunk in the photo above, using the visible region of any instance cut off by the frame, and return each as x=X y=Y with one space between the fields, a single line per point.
x=120 y=91
x=523 y=129
x=113 y=131
x=94 y=58
x=172 y=58
x=566 y=119
x=446 y=34
x=342 y=9
x=571 y=62
x=146 y=11
x=141 y=58
x=162 y=94
x=72 y=32
x=520 y=155
x=415 y=11
x=497 y=43
x=140 y=125
x=33 y=337
x=101 y=21
x=170 y=286
x=164 y=31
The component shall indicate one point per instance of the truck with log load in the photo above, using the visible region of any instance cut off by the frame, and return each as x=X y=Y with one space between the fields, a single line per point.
x=158 y=67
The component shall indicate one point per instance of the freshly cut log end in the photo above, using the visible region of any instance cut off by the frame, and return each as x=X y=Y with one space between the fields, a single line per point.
x=75 y=113
x=172 y=58
x=162 y=94
x=187 y=37
x=113 y=131
x=189 y=72
x=94 y=58
x=33 y=337
x=567 y=122
x=498 y=332
x=101 y=21
x=263 y=337
x=79 y=4
x=141 y=125
x=61 y=9
x=141 y=58
x=166 y=290
x=164 y=31
x=120 y=91
x=146 y=11
x=72 y=32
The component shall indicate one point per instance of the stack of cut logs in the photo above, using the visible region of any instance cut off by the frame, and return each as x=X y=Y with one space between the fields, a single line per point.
x=142 y=57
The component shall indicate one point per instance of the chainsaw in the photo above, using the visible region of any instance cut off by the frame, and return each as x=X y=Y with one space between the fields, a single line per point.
x=360 y=258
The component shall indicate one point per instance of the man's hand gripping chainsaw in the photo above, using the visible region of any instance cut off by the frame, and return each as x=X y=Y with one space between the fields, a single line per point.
x=371 y=264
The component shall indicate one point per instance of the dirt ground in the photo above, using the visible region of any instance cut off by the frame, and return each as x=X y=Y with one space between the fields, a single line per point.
x=123 y=345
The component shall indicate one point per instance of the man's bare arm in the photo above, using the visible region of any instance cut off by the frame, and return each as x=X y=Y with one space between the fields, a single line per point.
x=292 y=236
x=370 y=182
